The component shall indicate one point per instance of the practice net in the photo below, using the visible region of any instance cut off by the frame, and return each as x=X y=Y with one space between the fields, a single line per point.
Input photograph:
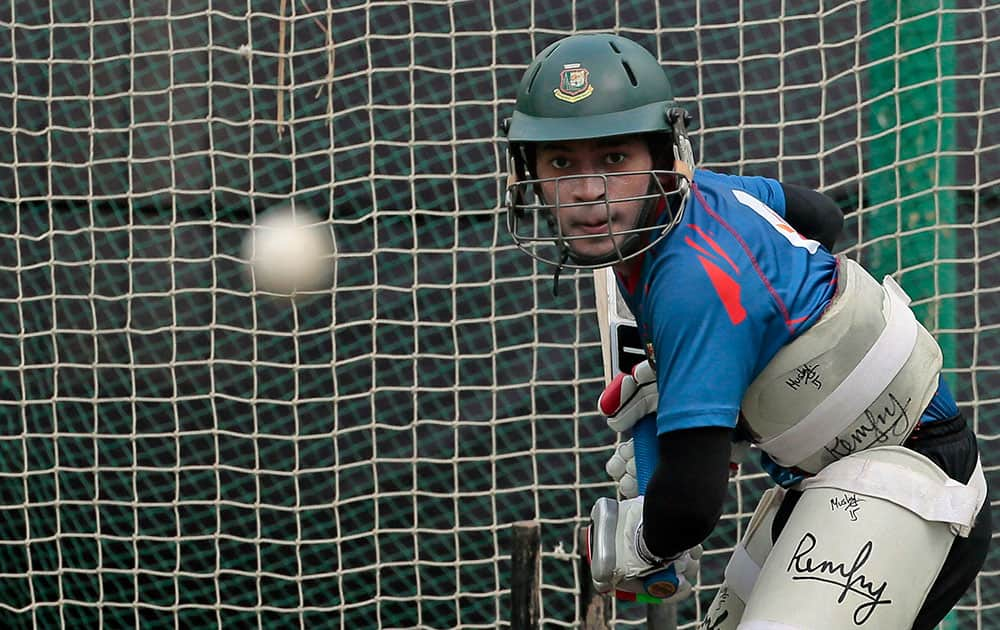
x=178 y=450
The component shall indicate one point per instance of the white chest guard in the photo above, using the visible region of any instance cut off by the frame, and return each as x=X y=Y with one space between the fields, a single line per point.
x=858 y=378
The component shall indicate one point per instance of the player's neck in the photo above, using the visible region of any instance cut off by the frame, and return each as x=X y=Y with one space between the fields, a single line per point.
x=629 y=271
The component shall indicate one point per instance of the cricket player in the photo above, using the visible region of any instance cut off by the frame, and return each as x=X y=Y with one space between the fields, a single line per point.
x=754 y=332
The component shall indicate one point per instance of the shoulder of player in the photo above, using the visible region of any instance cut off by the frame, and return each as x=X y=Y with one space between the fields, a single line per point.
x=724 y=199
x=677 y=281
x=704 y=176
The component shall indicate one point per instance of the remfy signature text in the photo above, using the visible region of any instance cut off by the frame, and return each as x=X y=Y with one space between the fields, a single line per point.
x=848 y=578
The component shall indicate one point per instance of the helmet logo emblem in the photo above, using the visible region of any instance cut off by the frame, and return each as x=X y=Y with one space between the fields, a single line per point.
x=574 y=84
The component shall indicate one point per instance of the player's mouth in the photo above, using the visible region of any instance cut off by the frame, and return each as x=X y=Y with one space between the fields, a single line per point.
x=594 y=228
x=594 y=225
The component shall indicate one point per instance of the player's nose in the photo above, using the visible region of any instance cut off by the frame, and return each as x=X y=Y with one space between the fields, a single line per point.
x=587 y=188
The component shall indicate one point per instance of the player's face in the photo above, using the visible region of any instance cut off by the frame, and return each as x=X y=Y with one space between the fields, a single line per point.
x=591 y=179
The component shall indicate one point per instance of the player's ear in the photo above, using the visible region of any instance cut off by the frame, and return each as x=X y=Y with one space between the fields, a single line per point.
x=682 y=167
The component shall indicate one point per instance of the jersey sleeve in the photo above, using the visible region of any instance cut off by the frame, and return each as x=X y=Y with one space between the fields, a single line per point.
x=813 y=214
x=766 y=189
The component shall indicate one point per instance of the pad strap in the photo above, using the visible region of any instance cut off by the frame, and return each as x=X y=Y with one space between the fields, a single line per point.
x=741 y=573
x=950 y=502
x=869 y=378
x=743 y=569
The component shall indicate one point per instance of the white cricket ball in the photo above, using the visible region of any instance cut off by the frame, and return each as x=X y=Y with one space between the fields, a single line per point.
x=289 y=251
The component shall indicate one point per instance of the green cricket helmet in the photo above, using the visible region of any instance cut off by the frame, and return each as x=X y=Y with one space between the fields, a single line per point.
x=586 y=87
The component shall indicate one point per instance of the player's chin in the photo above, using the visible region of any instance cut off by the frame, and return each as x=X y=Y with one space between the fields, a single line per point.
x=593 y=247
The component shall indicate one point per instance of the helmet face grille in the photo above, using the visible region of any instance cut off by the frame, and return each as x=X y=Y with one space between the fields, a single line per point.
x=533 y=225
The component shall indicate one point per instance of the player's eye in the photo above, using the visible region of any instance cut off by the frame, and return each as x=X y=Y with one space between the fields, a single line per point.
x=615 y=158
x=559 y=163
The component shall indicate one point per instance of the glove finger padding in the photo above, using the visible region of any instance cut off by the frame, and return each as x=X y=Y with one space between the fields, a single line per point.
x=629 y=397
x=619 y=558
x=621 y=468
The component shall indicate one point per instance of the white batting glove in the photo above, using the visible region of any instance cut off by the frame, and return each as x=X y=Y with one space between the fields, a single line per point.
x=629 y=397
x=621 y=468
x=619 y=559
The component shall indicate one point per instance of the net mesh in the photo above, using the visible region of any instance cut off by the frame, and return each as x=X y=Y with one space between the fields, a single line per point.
x=177 y=450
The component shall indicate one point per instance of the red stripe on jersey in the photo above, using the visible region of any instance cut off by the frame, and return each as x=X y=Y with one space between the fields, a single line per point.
x=718 y=248
x=696 y=246
x=727 y=289
x=753 y=261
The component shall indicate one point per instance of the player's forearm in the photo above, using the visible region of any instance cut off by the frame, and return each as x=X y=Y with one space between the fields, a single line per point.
x=813 y=214
x=685 y=496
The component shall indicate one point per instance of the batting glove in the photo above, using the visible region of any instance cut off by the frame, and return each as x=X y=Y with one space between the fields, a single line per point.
x=619 y=558
x=621 y=468
x=629 y=397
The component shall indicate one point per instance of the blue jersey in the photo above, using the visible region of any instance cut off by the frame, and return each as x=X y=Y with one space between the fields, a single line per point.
x=728 y=287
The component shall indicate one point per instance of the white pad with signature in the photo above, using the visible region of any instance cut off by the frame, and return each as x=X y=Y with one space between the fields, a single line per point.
x=854 y=557
x=858 y=378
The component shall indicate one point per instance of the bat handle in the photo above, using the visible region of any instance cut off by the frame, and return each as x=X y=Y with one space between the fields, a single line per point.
x=647 y=449
x=663 y=583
